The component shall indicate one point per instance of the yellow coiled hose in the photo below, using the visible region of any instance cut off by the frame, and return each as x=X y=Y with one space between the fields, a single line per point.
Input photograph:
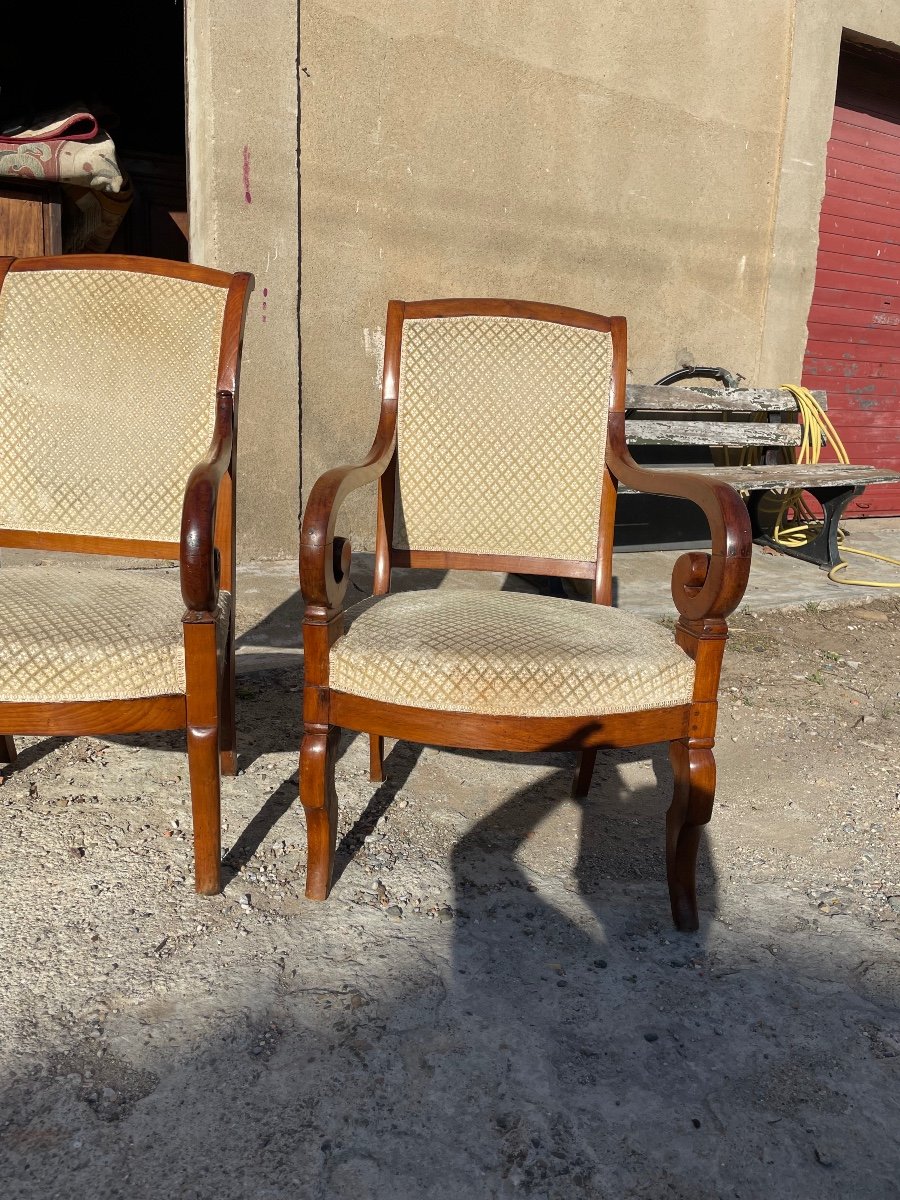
x=794 y=523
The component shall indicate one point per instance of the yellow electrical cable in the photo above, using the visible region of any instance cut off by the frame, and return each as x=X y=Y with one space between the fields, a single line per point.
x=804 y=525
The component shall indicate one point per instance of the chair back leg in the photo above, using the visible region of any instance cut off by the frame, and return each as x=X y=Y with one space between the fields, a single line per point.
x=227 y=728
x=692 y=803
x=203 y=704
x=319 y=798
x=376 y=758
x=584 y=773
x=7 y=749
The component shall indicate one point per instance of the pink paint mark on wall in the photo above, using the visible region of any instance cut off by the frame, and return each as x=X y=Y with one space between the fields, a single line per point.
x=248 y=199
x=265 y=304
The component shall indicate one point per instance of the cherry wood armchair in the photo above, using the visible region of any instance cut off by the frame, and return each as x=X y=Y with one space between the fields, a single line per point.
x=118 y=394
x=500 y=445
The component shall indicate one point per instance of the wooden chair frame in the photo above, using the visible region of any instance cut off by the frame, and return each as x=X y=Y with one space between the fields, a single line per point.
x=206 y=554
x=705 y=588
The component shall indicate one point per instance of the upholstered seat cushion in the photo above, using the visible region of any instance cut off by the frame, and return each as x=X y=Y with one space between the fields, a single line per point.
x=70 y=634
x=508 y=653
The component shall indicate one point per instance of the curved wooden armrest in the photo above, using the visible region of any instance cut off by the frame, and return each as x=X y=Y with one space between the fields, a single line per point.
x=325 y=558
x=704 y=586
x=199 y=557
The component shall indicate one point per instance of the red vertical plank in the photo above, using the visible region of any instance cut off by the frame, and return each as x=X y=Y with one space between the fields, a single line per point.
x=855 y=310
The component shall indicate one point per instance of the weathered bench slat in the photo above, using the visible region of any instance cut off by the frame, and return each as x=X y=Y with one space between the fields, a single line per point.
x=762 y=478
x=647 y=397
x=711 y=433
x=833 y=484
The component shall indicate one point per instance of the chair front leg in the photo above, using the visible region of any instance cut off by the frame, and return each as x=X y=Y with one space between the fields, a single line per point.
x=692 y=803
x=203 y=706
x=7 y=749
x=319 y=799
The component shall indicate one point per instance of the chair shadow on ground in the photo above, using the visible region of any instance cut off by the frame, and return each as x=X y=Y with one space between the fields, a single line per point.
x=279 y=803
x=279 y=629
x=604 y=844
x=31 y=755
x=621 y=839
x=258 y=735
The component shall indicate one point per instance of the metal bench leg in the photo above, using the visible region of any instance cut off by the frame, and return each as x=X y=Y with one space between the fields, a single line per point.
x=834 y=502
x=822 y=550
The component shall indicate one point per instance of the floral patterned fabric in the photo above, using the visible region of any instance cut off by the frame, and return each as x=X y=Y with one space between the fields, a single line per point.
x=70 y=148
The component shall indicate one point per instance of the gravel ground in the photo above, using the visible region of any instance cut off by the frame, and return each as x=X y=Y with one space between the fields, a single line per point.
x=493 y=1003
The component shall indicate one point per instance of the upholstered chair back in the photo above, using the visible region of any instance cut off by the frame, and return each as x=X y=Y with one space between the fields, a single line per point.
x=501 y=432
x=107 y=399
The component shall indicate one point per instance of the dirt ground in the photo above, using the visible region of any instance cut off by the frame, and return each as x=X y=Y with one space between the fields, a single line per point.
x=493 y=1003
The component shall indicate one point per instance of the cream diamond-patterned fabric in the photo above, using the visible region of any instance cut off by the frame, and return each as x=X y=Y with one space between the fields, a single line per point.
x=107 y=399
x=501 y=436
x=69 y=634
x=508 y=654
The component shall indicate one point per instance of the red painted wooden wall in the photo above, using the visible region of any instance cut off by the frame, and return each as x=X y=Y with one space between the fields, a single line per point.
x=853 y=351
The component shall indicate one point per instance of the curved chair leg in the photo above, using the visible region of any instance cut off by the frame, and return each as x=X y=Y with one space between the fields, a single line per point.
x=227 y=732
x=7 y=749
x=376 y=758
x=692 y=803
x=584 y=772
x=202 y=711
x=319 y=799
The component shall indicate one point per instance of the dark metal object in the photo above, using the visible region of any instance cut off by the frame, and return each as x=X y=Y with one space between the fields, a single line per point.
x=822 y=550
x=724 y=376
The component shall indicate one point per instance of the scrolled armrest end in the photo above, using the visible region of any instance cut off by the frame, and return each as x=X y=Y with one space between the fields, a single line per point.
x=325 y=573
x=709 y=586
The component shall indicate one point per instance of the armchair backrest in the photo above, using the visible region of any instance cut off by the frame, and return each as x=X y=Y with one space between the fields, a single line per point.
x=109 y=369
x=501 y=429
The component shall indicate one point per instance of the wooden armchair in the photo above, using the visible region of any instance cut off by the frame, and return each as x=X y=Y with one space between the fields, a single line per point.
x=118 y=387
x=499 y=447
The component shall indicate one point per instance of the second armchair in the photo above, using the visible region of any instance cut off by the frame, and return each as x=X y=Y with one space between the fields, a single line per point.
x=500 y=445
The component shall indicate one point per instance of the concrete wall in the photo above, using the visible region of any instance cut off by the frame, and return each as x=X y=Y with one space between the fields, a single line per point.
x=663 y=162
x=819 y=27
x=242 y=127
x=614 y=156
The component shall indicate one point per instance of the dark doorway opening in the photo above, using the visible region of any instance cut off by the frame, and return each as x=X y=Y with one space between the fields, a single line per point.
x=124 y=64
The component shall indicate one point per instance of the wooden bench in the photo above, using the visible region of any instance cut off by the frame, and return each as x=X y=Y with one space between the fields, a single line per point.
x=730 y=418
